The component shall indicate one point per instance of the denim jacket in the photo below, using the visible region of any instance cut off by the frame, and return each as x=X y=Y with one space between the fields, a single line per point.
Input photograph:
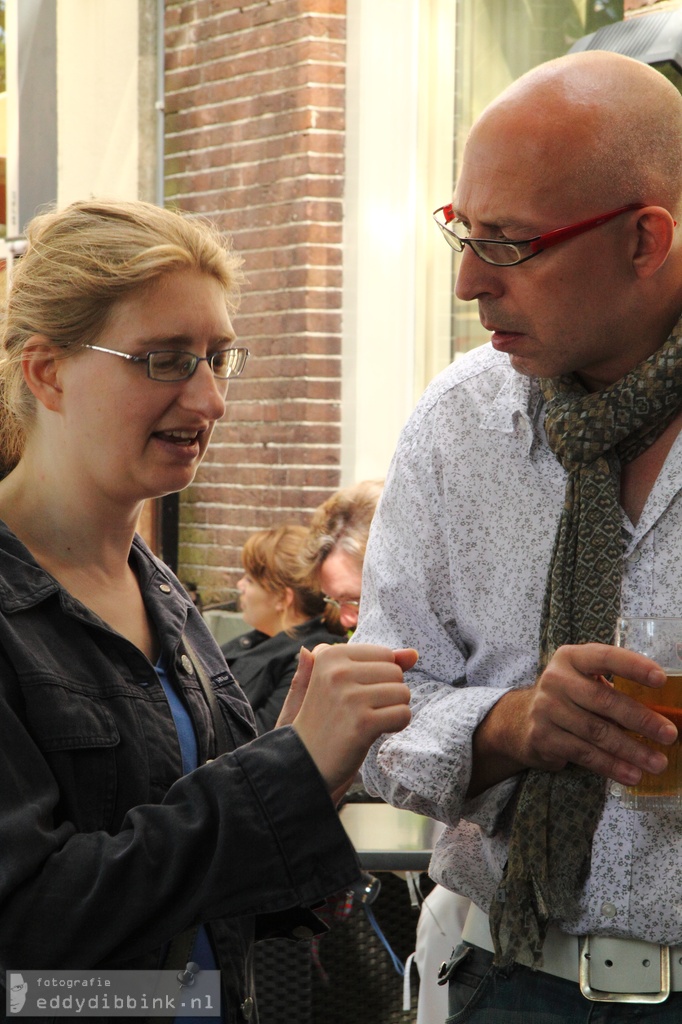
x=106 y=851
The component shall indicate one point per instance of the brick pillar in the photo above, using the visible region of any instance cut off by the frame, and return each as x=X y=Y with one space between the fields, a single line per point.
x=255 y=139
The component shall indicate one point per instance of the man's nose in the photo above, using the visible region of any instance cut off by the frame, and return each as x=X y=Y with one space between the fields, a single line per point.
x=348 y=617
x=475 y=277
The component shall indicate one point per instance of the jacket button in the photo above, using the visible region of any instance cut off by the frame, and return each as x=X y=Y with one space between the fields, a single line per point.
x=187 y=665
x=165 y=588
x=247 y=1008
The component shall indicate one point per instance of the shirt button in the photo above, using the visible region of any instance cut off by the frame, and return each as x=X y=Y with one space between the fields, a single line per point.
x=634 y=557
x=165 y=588
x=615 y=789
x=302 y=931
x=187 y=665
x=247 y=1008
x=608 y=910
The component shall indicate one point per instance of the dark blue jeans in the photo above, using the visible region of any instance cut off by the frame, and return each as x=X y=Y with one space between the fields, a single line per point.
x=482 y=994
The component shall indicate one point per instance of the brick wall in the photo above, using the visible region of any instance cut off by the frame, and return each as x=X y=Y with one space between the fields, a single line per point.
x=255 y=139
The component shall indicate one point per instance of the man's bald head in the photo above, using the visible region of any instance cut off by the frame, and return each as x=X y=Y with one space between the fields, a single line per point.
x=606 y=128
x=572 y=140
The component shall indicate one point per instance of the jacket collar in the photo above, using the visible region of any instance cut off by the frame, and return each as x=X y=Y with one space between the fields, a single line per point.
x=25 y=584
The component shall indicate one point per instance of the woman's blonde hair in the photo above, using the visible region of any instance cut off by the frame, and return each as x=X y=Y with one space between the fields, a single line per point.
x=273 y=559
x=81 y=261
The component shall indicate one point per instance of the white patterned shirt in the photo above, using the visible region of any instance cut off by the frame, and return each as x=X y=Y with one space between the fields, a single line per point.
x=456 y=567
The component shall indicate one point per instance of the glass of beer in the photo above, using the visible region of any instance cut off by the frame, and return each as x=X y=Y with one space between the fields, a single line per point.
x=661 y=640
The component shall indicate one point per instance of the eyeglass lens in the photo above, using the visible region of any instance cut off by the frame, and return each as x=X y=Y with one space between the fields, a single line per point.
x=340 y=604
x=173 y=365
x=500 y=253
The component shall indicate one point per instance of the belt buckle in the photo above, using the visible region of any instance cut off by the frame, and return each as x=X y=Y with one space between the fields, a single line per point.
x=601 y=996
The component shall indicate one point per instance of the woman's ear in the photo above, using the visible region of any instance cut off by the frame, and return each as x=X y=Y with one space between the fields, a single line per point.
x=287 y=598
x=655 y=233
x=40 y=363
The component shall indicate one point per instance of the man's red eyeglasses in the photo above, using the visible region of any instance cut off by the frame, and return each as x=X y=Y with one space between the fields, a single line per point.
x=503 y=253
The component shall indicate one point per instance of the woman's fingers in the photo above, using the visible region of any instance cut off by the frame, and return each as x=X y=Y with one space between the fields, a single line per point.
x=298 y=689
x=407 y=658
x=356 y=692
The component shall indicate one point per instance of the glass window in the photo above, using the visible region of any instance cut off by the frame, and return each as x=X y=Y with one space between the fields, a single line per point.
x=496 y=42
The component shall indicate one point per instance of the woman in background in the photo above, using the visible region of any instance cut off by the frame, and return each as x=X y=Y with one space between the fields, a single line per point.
x=286 y=614
x=142 y=824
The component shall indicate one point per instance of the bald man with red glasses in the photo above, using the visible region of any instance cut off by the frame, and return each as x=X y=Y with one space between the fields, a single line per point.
x=534 y=497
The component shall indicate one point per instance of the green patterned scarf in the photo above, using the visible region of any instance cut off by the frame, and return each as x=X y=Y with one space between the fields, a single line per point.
x=556 y=814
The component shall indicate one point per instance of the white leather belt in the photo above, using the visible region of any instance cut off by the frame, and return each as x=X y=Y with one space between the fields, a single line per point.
x=607 y=969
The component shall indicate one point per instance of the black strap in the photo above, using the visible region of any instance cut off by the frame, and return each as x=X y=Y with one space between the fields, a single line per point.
x=177 y=959
x=180 y=949
x=222 y=737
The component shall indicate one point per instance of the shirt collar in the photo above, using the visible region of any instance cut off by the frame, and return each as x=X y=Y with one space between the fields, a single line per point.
x=516 y=407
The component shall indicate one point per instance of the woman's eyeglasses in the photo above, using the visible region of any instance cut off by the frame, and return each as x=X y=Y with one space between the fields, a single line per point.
x=171 y=365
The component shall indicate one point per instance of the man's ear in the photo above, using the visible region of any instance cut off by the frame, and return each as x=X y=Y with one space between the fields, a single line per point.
x=655 y=232
x=40 y=363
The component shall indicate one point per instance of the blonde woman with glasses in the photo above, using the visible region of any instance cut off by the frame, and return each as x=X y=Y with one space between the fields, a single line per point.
x=143 y=825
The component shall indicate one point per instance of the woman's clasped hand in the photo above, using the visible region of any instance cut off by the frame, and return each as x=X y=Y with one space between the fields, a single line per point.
x=354 y=694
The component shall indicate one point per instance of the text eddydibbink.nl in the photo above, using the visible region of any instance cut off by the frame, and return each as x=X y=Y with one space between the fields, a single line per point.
x=113 y=993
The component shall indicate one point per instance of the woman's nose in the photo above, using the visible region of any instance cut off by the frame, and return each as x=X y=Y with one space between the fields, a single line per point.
x=205 y=393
